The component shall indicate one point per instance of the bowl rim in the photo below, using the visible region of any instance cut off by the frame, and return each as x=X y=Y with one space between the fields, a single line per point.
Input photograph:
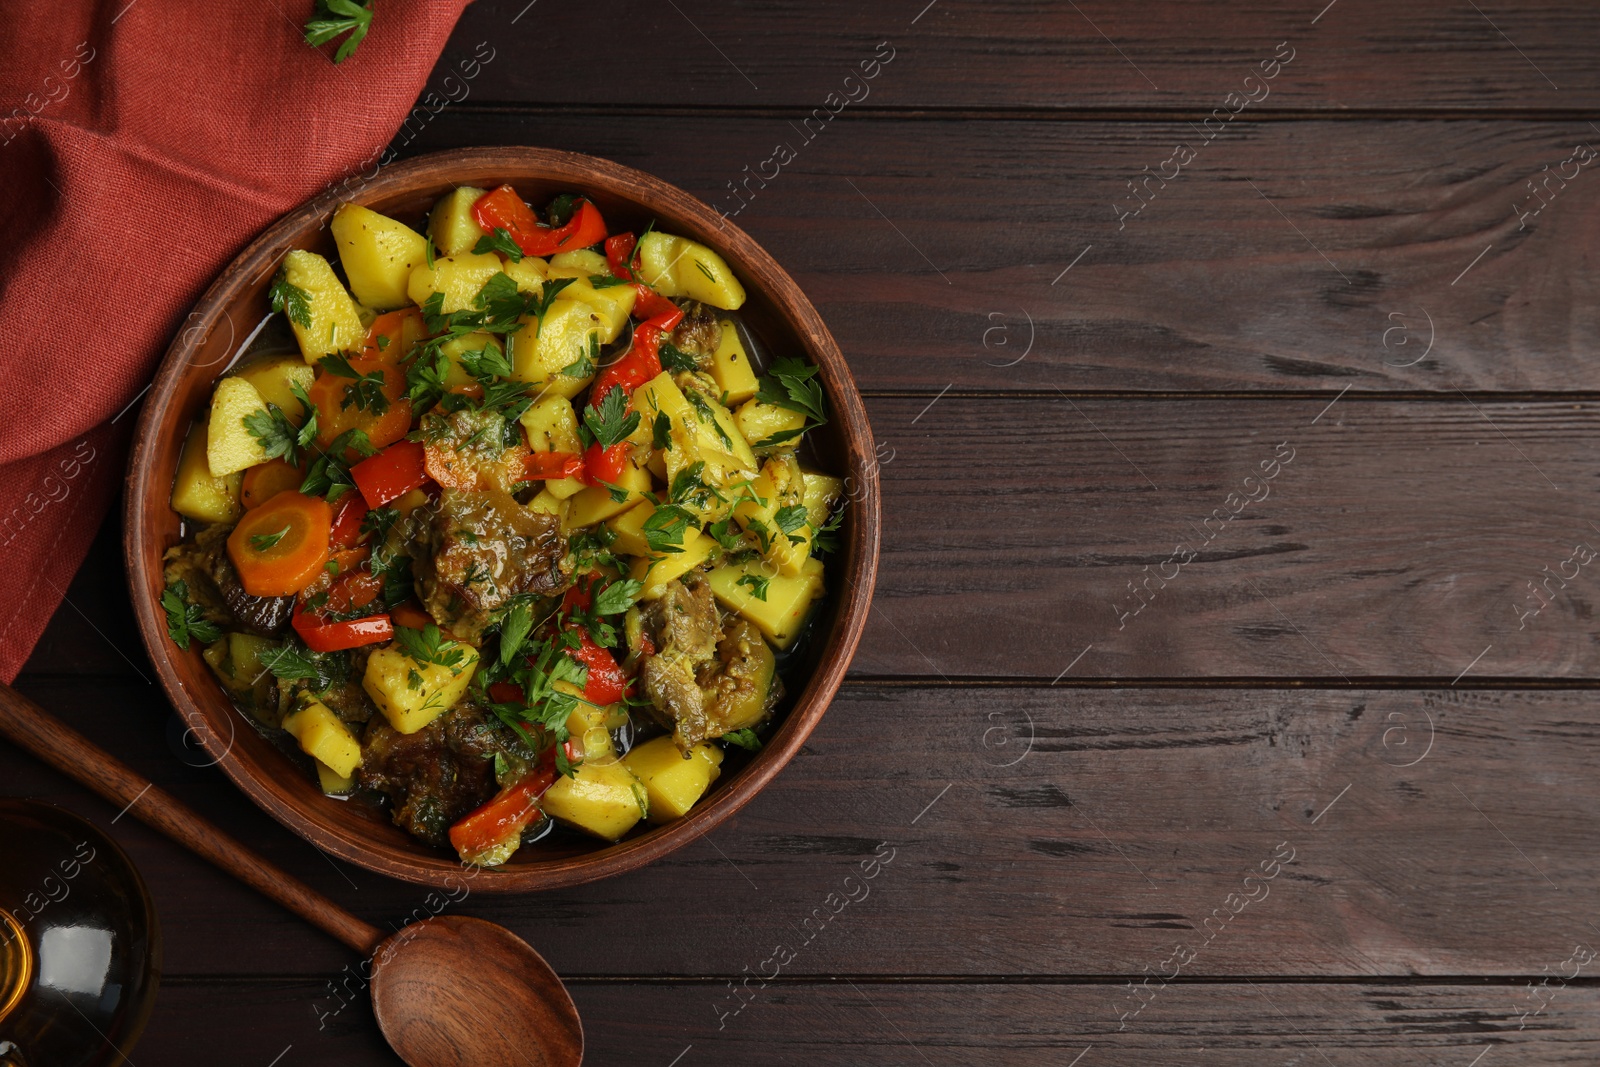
x=148 y=492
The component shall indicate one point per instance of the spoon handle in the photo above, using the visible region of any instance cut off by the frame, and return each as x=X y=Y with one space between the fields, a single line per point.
x=74 y=755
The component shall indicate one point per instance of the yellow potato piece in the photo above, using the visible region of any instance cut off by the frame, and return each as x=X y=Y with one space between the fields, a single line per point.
x=732 y=370
x=275 y=377
x=559 y=354
x=655 y=574
x=603 y=799
x=677 y=266
x=595 y=503
x=333 y=783
x=378 y=254
x=612 y=304
x=325 y=738
x=581 y=261
x=460 y=278
x=230 y=446
x=788 y=600
x=695 y=435
x=196 y=492
x=452 y=225
x=759 y=421
x=335 y=322
x=410 y=703
x=672 y=782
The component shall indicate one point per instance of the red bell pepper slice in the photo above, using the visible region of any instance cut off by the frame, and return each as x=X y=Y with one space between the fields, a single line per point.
x=503 y=209
x=655 y=309
x=641 y=363
x=323 y=636
x=348 y=515
x=545 y=466
x=512 y=809
x=390 y=474
x=619 y=255
x=605 y=464
x=606 y=684
x=579 y=594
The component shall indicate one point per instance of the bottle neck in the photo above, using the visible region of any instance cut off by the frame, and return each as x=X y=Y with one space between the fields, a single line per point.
x=16 y=965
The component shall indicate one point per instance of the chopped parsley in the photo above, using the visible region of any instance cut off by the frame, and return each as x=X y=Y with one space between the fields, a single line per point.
x=791 y=383
x=428 y=646
x=186 y=621
x=329 y=474
x=661 y=431
x=756 y=584
x=790 y=519
x=266 y=541
x=745 y=739
x=825 y=538
x=499 y=241
x=605 y=281
x=279 y=437
x=289 y=663
x=617 y=597
x=290 y=299
x=611 y=422
x=487 y=363
x=664 y=530
x=365 y=392
x=674 y=358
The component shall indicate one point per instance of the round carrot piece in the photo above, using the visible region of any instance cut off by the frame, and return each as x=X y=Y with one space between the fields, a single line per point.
x=266 y=480
x=281 y=546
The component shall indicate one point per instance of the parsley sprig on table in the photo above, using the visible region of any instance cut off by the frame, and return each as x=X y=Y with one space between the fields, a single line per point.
x=186 y=621
x=331 y=18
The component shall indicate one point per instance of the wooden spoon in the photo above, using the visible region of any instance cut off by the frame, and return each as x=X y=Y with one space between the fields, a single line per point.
x=447 y=991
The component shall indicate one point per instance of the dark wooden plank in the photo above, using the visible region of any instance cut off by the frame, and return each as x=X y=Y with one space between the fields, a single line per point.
x=1345 y=1025
x=1399 y=541
x=1354 y=274
x=1099 y=54
x=1031 y=832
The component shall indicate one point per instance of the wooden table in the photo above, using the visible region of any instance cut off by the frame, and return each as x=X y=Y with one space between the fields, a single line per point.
x=1226 y=697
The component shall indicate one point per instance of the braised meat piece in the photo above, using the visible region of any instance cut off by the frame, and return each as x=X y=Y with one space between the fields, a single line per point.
x=205 y=568
x=483 y=548
x=741 y=686
x=682 y=625
x=435 y=776
x=699 y=333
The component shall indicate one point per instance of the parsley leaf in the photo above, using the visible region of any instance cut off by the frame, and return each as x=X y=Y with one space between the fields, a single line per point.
x=290 y=299
x=279 y=437
x=617 y=597
x=674 y=358
x=514 y=627
x=745 y=739
x=428 y=646
x=702 y=407
x=605 y=281
x=726 y=534
x=778 y=438
x=584 y=365
x=611 y=423
x=824 y=540
x=756 y=584
x=289 y=664
x=499 y=241
x=366 y=392
x=792 y=384
x=664 y=530
x=329 y=474
x=330 y=18
x=487 y=363
x=547 y=296
x=790 y=519
x=425 y=378
x=661 y=431
x=265 y=541
x=186 y=620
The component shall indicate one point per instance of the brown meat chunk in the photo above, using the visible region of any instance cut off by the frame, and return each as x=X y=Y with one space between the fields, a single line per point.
x=434 y=776
x=740 y=686
x=699 y=333
x=683 y=626
x=481 y=549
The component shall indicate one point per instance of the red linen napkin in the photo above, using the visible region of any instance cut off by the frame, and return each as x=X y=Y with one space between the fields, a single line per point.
x=142 y=145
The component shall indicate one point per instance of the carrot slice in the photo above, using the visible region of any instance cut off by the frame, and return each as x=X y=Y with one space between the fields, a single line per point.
x=280 y=547
x=328 y=393
x=266 y=480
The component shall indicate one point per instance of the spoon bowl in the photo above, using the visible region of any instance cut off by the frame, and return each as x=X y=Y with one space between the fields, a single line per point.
x=452 y=991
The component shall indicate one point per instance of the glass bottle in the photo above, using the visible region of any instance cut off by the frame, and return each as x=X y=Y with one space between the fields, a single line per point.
x=80 y=947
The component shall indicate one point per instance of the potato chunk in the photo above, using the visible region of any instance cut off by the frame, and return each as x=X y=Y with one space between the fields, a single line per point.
x=677 y=266
x=378 y=254
x=781 y=614
x=230 y=446
x=452 y=225
x=558 y=355
x=603 y=799
x=459 y=278
x=611 y=305
x=196 y=492
x=767 y=426
x=335 y=322
x=731 y=367
x=412 y=694
x=673 y=783
x=275 y=378
x=595 y=503
x=701 y=429
x=655 y=574
x=325 y=738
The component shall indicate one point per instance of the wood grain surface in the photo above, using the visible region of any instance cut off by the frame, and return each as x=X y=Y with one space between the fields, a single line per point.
x=1259 y=266
x=1383 y=662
